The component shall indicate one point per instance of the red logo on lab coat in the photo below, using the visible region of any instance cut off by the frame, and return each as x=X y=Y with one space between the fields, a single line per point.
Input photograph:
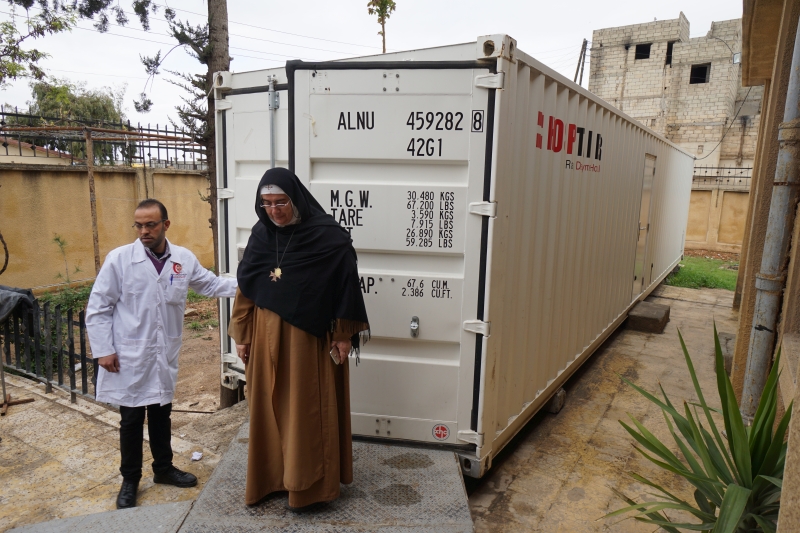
x=176 y=267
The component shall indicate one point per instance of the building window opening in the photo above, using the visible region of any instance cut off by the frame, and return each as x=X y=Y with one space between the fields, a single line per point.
x=670 y=44
x=643 y=51
x=700 y=73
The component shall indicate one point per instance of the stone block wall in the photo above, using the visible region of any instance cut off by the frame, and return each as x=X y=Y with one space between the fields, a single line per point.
x=656 y=91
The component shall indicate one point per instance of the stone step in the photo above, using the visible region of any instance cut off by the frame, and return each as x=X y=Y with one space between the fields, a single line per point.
x=165 y=518
x=648 y=317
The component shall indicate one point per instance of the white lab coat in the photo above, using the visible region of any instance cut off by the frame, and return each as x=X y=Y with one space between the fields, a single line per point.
x=138 y=314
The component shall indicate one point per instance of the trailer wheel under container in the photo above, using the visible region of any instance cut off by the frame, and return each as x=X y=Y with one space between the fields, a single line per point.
x=506 y=220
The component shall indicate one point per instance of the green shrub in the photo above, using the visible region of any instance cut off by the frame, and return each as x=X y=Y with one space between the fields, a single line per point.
x=737 y=473
x=68 y=298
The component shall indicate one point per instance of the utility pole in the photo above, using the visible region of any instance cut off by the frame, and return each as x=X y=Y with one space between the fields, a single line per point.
x=581 y=61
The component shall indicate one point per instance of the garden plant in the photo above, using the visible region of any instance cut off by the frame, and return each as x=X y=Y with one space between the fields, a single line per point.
x=736 y=471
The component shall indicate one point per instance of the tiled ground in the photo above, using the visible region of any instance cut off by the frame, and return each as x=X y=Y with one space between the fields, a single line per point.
x=60 y=460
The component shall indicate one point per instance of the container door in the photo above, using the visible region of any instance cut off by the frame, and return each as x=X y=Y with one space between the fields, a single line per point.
x=242 y=157
x=639 y=271
x=397 y=155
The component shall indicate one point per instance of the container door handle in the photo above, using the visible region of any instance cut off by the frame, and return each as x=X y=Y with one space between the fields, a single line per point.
x=415 y=326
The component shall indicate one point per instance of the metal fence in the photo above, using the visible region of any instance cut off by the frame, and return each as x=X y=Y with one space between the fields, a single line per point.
x=722 y=177
x=63 y=140
x=49 y=346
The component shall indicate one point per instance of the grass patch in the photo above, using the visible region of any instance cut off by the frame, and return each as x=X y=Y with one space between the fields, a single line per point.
x=699 y=273
x=193 y=297
x=68 y=298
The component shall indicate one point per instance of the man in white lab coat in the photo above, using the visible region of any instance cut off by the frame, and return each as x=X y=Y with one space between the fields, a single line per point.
x=135 y=321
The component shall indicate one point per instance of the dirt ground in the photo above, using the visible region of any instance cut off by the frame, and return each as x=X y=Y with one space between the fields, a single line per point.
x=708 y=254
x=198 y=366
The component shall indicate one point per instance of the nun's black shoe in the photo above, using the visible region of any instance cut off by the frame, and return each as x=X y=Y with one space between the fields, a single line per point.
x=127 y=495
x=176 y=477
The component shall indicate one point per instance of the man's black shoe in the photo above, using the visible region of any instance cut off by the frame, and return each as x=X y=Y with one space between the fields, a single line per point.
x=176 y=477
x=127 y=495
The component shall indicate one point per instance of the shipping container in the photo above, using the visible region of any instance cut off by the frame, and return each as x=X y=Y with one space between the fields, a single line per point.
x=506 y=221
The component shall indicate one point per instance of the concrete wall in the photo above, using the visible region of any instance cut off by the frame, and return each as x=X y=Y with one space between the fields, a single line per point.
x=770 y=29
x=717 y=219
x=695 y=116
x=39 y=202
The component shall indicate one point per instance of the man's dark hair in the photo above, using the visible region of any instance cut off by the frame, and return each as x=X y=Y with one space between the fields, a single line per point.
x=150 y=202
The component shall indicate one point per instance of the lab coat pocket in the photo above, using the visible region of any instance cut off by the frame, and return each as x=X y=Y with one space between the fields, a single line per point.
x=125 y=380
x=177 y=290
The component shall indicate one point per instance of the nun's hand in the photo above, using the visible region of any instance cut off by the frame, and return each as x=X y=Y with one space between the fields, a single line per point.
x=243 y=351
x=343 y=347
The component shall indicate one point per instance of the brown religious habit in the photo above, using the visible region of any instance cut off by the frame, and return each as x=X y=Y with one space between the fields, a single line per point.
x=299 y=399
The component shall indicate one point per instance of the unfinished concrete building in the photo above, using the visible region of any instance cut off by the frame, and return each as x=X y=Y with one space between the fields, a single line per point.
x=688 y=89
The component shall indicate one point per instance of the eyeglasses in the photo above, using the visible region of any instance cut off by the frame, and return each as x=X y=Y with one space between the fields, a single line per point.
x=278 y=205
x=149 y=225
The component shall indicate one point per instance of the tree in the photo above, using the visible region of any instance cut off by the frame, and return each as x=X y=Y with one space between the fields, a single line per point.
x=60 y=102
x=384 y=10
x=208 y=43
x=15 y=60
x=62 y=98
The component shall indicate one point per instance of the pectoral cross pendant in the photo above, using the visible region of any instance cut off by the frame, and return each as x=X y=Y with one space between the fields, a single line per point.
x=275 y=275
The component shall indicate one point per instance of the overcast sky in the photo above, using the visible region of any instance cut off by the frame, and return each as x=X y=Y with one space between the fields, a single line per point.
x=266 y=34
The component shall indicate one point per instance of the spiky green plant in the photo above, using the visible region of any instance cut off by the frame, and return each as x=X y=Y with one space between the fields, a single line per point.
x=737 y=474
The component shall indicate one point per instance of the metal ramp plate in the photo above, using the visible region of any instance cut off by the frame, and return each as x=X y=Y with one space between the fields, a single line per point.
x=395 y=489
x=165 y=518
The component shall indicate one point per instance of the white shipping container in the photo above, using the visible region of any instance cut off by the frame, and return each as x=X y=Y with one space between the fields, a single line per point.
x=506 y=220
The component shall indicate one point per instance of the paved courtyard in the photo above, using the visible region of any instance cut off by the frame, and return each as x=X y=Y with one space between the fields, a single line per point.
x=560 y=473
x=60 y=460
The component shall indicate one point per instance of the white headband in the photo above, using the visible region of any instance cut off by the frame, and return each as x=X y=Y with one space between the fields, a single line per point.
x=271 y=189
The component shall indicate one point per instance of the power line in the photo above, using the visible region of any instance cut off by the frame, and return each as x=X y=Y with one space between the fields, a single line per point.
x=270 y=29
x=547 y=52
x=98 y=74
x=171 y=44
x=733 y=121
x=242 y=36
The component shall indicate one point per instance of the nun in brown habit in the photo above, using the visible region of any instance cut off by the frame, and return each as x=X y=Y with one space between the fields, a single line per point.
x=298 y=314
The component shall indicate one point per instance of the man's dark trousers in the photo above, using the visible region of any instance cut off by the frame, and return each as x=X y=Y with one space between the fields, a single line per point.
x=131 y=439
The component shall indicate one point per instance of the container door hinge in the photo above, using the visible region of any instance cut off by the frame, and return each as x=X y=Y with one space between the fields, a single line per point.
x=490 y=81
x=224 y=194
x=230 y=358
x=486 y=209
x=477 y=326
x=222 y=105
x=472 y=437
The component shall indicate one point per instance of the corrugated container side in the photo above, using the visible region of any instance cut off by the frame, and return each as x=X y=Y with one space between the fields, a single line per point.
x=563 y=244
